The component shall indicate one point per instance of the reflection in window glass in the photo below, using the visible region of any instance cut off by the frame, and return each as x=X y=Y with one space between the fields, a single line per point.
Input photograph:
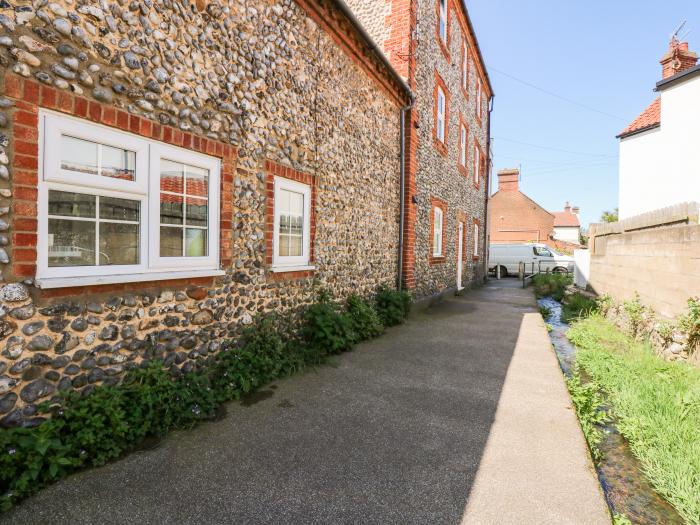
x=76 y=230
x=291 y=223
x=184 y=208
x=89 y=157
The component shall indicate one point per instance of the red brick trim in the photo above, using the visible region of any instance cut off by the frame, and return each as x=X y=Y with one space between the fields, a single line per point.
x=463 y=169
x=437 y=203
x=272 y=170
x=31 y=96
x=477 y=169
x=410 y=208
x=464 y=68
x=473 y=44
x=440 y=144
x=444 y=46
x=344 y=33
x=143 y=287
x=477 y=242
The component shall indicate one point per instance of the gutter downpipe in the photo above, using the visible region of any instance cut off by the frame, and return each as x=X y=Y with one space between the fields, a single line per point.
x=402 y=187
x=487 y=226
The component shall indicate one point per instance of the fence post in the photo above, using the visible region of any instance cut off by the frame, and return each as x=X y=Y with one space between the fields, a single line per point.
x=498 y=272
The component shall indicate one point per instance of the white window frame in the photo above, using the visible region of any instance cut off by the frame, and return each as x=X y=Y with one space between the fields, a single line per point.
x=465 y=66
x=476 y=239
x=437 y=231
x=442 y=21
x=463 y=145
x=477 y=162
x=441 y=111
x=144 y=188
x=288 y=262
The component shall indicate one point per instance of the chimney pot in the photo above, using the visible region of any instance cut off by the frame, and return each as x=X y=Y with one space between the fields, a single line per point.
x=575 y=210
x=508 y=179
x=567 y=207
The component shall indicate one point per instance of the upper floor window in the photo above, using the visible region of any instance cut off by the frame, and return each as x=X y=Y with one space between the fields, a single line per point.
x=465 y=66
x=292 y=227
x=463 y=145
x=478 y=96
x=440 y=113
x=477 y=162
x=113 y=203
x=476 y=239
x=442 y=22
x=437 y=231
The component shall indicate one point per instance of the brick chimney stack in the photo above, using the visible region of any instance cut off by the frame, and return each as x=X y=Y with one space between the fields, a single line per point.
x=567 y=207
x=508 y=179
x=677 y=59
x=575 y=210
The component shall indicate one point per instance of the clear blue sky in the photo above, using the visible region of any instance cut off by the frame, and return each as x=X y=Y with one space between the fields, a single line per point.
x=600 y=53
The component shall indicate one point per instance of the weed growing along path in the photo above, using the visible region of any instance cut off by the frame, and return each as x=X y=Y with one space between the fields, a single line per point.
x=656 y=404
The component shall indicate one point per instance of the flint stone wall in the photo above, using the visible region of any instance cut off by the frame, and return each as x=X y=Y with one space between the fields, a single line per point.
x=259 y=75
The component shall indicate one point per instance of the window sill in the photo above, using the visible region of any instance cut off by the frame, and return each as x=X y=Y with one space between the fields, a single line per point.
x=299 y=268
x=96 y=280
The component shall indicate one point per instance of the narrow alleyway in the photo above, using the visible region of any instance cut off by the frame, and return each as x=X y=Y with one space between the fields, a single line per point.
x=464 y=398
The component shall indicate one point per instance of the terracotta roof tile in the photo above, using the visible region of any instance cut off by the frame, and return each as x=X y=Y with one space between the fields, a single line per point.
x=649 y=118
x=565 y=218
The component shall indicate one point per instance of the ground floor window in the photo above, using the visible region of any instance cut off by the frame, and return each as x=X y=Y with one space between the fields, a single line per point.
x=437 y=231
x=292 y=224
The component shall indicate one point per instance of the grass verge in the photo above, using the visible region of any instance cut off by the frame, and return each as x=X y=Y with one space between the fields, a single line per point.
x=657 y=406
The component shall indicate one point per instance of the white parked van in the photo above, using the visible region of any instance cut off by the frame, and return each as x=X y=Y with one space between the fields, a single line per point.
x=509 y=257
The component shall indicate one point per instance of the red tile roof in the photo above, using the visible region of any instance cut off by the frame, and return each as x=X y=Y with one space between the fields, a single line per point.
x=565 y=218
x=650 y=117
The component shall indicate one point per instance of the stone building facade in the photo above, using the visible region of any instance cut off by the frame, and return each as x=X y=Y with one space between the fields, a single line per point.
x=168 y=171
x=431 y=43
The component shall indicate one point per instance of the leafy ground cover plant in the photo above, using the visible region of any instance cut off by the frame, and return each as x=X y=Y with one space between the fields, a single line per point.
x=576 y=306
x=551 y=284
x=588 y=403
x=690 y=323
x=656 y=404
x=392 y=305
x=87 y=430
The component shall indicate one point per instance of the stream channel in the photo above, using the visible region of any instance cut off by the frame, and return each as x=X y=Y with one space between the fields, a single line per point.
x=626 y=489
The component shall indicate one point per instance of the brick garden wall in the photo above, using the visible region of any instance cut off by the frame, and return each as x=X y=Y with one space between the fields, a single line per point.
x=264 y=86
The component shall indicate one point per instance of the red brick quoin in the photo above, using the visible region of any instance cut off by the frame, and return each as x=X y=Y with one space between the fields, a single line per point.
x=272 y=170
x=29 y=97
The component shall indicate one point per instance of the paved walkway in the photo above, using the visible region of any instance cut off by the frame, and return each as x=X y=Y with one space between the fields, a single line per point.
x=460 y=415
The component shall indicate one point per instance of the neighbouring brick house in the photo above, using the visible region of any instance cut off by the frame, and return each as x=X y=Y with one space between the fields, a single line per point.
x=516 y=218
x=447 y=137
x=169 y=170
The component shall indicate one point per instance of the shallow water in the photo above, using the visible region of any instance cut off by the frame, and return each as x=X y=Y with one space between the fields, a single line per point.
x=626 y=489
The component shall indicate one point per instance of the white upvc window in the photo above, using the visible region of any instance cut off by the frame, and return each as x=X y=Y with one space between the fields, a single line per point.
x=115 y=207
x=476 y=239
x=477 y=162
x=465 y=66
x=440 y=124
x=463 y=145
x=292 y=226
x=478 y=96
x=442 y=23
x=437 y=231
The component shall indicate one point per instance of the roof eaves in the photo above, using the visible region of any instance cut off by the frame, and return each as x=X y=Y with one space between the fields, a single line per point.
x=678 y=77
x=638 y=131
x=476 y=41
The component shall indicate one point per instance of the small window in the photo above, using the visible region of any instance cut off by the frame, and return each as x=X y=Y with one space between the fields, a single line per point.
x=440 y=124
x=542 y=251
x=442 y=23
x=437 y=232
x=465 y=66
x=463 y=146
x=476 y=239
x=477 y=163
x=114 y=203
x=478 y=97
x=292 y=223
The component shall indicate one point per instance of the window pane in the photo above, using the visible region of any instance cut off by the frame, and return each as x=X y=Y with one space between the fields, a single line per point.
x=195 y=242
x=196 y=212
x=119 y=243
x=170 y=242
x=119 y=209
x=284 y=245
x=78 y=155
x=197 y=181
x=285 y=224
x=296 y=203
x=297 y=225
x=170 y=209
x=118 y=163
x=71 y=243
x=171 y=176
x=71 y=204
x=295 y=248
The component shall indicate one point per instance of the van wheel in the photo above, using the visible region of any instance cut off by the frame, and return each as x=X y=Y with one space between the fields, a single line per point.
x=504 y=271
x=559 y=269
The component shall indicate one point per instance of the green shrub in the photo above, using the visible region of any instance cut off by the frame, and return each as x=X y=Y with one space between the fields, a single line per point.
x=576 y=306
x=690 y=323
x=326 y=329
x=364 y=318
x=551 y=284
x=635 y=311
x=605 y=304
x=545 y=312
x=392 y=305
